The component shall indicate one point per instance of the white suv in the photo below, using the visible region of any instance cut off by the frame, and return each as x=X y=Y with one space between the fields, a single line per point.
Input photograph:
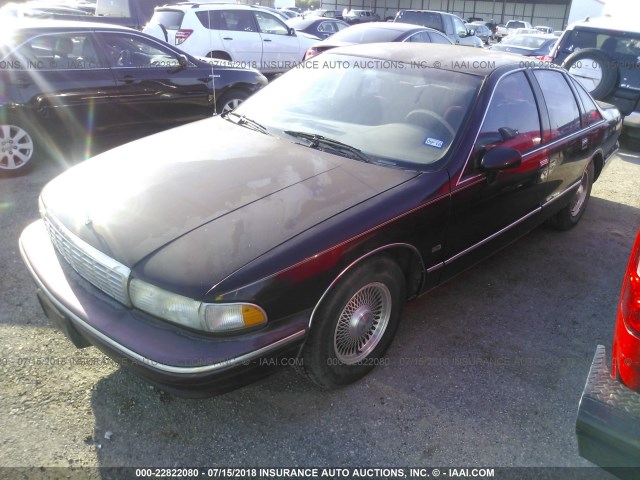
x=247 y=35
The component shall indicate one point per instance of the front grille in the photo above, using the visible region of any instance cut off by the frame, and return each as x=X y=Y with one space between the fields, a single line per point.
x=94 y=266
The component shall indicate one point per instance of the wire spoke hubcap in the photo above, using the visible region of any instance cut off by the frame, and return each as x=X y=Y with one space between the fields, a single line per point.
x=362 y=323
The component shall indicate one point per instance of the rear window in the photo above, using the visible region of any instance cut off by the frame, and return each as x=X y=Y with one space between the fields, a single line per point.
x=170 y=19
x=366 y=35
x=516 y=25
x=425 y=19
x=113 y=8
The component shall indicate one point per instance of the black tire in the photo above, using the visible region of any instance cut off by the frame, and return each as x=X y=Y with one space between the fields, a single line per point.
x=230 y=100
x=355 y=324
x=19 y=145
x=599 y=59
x=570 y=215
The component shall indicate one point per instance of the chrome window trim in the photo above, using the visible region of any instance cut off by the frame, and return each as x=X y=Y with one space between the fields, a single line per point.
x=536 y=150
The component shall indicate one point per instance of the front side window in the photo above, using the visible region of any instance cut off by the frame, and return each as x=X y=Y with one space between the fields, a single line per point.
x=439 y=38
x=420 y=37
x=459 y=27
x=133 y=51
x=512 y=118
x=270 y=24
x=564 y=114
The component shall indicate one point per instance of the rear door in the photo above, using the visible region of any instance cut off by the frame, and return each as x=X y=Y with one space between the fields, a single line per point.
x=153 y=89
x=571 y=144
x=63 y=82
x=239 y=36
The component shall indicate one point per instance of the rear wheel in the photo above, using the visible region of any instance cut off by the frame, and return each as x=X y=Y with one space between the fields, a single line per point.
x=355 y=324
x=570 y=215
x=18 y=145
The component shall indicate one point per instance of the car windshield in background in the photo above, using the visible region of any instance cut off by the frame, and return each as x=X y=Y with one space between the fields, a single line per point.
x=524 y=41
x=366 y=35
x=391 y=112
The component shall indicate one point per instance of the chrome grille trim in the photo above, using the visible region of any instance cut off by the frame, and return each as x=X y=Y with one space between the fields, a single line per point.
x=99 y=269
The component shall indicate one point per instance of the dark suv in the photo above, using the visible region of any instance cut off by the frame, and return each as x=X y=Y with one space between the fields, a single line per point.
x=604 y=55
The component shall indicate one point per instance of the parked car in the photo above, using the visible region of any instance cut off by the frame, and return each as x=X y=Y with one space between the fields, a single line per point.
x=125 y=13
x=543 y=29
x=530 y=45
x=361 y=16
x=64 y=79
x=602 y=53
x=378 y=32
x=481 y=31
x=608 y=423
x=321 y=12
x=247 y=35
x=510 y=27
x=293 y=229
x=451 y=25
x=319 y=27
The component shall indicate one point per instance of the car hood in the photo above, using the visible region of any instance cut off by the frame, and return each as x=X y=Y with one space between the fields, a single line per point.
x=212 y=181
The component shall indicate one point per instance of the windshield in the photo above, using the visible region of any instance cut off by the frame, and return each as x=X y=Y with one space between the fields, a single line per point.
x=391 y=112
x=525 y=41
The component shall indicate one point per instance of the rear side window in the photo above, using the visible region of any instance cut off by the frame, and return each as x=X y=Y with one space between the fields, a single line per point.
x=236 y=20
x=438 y=38
x=425 y=19
x=591 y=112
x=169 y=19
x=561 y=104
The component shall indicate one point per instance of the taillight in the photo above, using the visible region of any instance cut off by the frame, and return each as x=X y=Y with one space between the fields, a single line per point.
x=312 y=52
x=182 y=35
x=629 y=306
x=546 y=58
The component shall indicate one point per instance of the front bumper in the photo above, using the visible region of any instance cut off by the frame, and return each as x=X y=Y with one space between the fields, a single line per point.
x=178 y=360
x=608 y=424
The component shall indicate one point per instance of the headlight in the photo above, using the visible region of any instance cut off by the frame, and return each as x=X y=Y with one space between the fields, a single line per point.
x=210 y=317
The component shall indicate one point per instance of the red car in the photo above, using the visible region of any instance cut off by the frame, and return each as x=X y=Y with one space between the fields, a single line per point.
x=608 y=425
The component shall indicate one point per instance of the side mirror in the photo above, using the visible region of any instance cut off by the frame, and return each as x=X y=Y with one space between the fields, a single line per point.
x=501 y=158
x=292 y=31
x=471 y=32
x=183 y=61
x=507 y=133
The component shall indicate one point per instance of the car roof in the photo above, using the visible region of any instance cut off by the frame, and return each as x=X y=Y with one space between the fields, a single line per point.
x=445 y=57
x=300 y=22
x=609 y=23
x=52 y=25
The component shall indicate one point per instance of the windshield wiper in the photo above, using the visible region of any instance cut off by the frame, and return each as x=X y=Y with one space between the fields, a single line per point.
x=252 y=124
x=320 y=142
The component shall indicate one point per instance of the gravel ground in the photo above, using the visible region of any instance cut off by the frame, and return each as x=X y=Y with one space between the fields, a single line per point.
x=485 y=371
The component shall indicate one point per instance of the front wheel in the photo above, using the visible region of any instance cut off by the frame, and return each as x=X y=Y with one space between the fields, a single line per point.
x=355 y=324
x=230 y=100
x=570 y=215
x=17 y=148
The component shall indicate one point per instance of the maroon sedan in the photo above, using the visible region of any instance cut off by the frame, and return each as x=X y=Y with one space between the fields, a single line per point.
x=299 y=224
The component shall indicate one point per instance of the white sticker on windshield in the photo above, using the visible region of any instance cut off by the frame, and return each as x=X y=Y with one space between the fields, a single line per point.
x=434 y=142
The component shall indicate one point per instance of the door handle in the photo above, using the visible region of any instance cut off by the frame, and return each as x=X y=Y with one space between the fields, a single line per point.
x=128 y=79
x=227 y=38
x=267 y=40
